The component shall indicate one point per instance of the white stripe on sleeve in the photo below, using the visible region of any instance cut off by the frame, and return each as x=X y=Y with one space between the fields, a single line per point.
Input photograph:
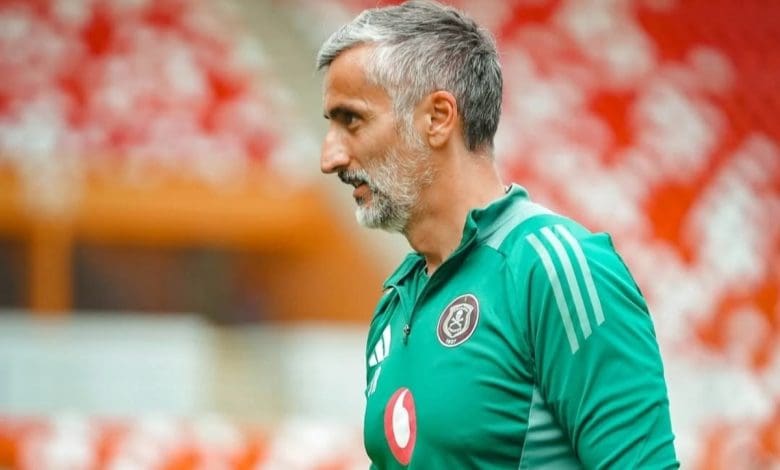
x=557 y=290
x=571 y=279
x=586 y=274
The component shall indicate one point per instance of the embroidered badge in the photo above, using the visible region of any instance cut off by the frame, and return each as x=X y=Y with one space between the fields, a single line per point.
x=401 y=425
x=458 y=321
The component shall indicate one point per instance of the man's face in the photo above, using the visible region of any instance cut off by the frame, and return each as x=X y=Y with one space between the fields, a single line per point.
x=385 y=160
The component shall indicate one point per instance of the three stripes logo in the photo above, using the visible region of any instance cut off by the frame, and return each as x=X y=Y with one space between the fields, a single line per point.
x=570 y=278
x=381 y=351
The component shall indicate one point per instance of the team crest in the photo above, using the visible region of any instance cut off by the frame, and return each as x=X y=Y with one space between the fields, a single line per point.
x=458 y=321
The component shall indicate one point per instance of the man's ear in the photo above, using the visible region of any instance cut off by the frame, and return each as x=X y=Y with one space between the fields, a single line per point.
x=441 y=118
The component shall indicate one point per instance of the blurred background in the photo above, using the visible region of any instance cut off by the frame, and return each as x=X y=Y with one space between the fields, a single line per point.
x=181 y=289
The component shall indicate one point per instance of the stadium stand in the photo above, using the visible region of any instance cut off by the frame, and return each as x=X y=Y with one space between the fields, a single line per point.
x=651 y=119
x=159 y=124
x=156 y=126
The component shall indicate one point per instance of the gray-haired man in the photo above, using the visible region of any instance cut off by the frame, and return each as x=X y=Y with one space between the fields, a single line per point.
x=511 y=337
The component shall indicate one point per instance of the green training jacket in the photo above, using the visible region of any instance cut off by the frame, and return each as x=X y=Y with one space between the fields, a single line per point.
x=530 y=347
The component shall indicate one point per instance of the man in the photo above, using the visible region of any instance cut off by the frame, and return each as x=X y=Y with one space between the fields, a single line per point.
x=511 y=337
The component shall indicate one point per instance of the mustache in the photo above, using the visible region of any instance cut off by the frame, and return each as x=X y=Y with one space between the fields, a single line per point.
x=355 y=177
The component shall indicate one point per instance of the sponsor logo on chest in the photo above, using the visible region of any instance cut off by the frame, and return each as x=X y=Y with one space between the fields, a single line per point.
x=458 y=321
x=401 y=425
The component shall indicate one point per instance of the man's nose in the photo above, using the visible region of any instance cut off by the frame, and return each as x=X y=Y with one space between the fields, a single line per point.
x=334 y=154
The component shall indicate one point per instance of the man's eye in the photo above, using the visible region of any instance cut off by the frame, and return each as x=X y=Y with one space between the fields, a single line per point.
x=350 y=120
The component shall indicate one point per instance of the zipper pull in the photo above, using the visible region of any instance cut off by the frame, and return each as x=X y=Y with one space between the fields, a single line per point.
x=407 y=330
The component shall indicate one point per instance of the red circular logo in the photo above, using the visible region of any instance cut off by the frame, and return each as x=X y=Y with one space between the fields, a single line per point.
x=458 y=320
x=401 y=425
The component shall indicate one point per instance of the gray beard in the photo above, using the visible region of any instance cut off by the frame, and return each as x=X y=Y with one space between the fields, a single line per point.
x=395 y=186
x=383 y=213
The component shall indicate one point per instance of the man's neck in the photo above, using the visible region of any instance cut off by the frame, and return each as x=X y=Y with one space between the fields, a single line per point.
x=464 y=184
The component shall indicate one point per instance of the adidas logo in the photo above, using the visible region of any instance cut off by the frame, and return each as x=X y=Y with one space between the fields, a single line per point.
x=381 y=351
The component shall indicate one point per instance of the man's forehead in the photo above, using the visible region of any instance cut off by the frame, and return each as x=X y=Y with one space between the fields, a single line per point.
x=355 y=56
x=346 y=80
x=346 y=74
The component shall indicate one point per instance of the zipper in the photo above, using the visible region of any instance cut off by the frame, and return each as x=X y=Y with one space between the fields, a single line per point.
x=407 y=331
x=405 y=311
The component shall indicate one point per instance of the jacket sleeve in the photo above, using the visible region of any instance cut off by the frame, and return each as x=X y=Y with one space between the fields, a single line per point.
x=597 y=361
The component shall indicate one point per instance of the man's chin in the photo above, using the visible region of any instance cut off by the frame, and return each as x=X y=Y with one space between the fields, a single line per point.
x=369 y=218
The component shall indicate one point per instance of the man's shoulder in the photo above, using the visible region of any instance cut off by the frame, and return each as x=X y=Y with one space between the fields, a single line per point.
x=527 y=231
x=510 y=229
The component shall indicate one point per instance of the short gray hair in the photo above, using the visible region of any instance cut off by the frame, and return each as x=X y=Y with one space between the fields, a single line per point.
x=422 y=47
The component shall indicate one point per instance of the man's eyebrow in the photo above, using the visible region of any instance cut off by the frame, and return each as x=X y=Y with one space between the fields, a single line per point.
x=340 y=111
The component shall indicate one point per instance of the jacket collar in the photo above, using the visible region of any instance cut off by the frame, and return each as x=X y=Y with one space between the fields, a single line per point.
x=480 y=224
